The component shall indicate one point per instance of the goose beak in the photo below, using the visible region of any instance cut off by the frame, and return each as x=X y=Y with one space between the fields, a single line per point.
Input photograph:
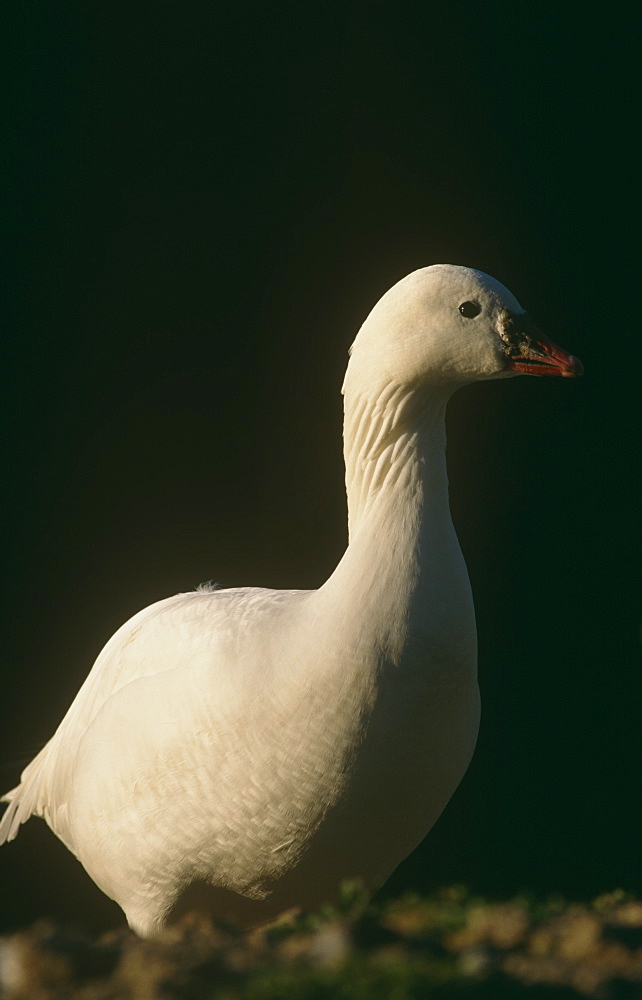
x=530 y=352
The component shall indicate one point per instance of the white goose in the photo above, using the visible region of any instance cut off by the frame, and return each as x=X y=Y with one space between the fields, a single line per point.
x=245 y=750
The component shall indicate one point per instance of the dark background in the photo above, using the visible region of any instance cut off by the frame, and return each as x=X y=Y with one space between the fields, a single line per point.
x=204 y=203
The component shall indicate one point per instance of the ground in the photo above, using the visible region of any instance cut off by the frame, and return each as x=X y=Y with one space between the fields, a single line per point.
x=446 y=945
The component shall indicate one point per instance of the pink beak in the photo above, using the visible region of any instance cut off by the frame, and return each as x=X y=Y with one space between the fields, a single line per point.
x=530 y=352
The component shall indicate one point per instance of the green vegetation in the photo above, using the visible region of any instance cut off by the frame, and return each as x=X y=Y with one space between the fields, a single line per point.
x=448 y=945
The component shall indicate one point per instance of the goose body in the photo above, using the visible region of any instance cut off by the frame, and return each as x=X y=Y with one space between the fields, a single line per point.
x=243 y=751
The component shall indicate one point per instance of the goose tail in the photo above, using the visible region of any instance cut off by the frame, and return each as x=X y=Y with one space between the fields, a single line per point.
x=23 y=800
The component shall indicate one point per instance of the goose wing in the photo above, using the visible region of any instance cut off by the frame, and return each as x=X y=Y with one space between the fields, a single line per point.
x=166 y=636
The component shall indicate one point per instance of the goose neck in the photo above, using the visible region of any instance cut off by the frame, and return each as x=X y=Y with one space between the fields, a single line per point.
x=395 y=453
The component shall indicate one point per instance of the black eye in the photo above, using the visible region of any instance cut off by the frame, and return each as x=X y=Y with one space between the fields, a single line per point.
x=470 y=309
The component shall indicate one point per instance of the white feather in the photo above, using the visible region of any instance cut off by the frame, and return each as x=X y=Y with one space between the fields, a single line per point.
x=246 y=750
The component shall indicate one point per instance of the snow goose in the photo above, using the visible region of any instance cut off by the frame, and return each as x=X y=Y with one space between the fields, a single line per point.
x=243 y=751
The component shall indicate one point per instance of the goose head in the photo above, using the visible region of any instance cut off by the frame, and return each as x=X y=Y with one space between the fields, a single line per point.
x=451 y=325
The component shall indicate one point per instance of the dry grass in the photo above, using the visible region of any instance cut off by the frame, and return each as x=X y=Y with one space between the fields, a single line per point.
x=446 y=945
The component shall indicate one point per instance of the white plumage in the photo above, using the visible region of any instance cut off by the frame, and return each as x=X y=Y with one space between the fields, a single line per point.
x=245 y=750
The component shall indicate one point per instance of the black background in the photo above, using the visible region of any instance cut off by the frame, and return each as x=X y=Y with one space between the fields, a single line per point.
x=204 y=203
